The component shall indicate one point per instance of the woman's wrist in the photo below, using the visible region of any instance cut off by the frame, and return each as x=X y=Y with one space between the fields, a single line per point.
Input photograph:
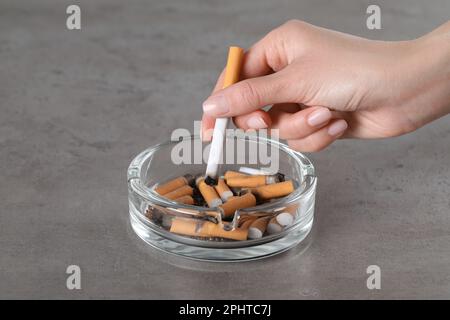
x=435 y=58
x=422 y=78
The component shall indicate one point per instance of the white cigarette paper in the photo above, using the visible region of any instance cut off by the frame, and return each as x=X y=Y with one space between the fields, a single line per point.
x=256 y=172
x=215 y=153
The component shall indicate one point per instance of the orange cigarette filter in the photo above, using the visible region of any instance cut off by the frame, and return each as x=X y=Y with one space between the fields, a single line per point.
x=275 y=190
x=180 y=192
x=197 y=228
x=246 y=201
x=223 y=190
x=185 y=200
x=247 y=181
x=231 y=174
x=209 y=194
x=234 y=62
x=172 y=185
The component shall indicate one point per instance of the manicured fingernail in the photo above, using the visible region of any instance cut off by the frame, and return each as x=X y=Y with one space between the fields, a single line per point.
x=256 y=123
x=337 y=128
x=319 y=117
x=216 y=105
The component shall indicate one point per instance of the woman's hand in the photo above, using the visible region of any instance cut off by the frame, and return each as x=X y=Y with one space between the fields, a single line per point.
x=324 y=85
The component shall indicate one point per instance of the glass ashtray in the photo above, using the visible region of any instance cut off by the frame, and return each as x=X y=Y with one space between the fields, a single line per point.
x=151 y=214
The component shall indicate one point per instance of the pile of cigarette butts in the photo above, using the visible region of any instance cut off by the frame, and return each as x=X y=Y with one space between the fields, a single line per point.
x=234 y=190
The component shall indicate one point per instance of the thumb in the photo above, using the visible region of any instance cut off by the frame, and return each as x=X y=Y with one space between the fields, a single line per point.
x=248 y=95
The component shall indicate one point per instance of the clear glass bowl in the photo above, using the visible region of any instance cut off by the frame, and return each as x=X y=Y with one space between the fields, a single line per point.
x=154 y=165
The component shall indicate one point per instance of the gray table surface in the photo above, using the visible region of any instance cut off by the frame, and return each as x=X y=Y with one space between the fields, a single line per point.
x=76 y=106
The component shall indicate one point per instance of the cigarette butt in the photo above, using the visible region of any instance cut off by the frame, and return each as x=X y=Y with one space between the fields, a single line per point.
x=209 y=194
x=275 y=190
x=252 y=181
x=274 y=226
x=197 y=228
x=185 y=199
x=172 y=185
x=231 y=174
x=223 y=190
x=246 y=201
x=287 y=217
x=180 y=192
x=257 y=228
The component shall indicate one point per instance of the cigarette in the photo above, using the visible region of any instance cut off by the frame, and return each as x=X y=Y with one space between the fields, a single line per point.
x=185 y=199
x=252 y=181
x=274 y=190
x=246 y=201
x=174 y=184
x=198 y=228
x=232 y=174
x=273 y=226
x=223 y=190
x=258 y=227
x=209 y=193
x=180 y=192
x=256 y=172
x=234 y=62
x=287 y=217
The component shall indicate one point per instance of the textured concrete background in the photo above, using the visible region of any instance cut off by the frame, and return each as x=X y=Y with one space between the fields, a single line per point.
x=76 y=106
